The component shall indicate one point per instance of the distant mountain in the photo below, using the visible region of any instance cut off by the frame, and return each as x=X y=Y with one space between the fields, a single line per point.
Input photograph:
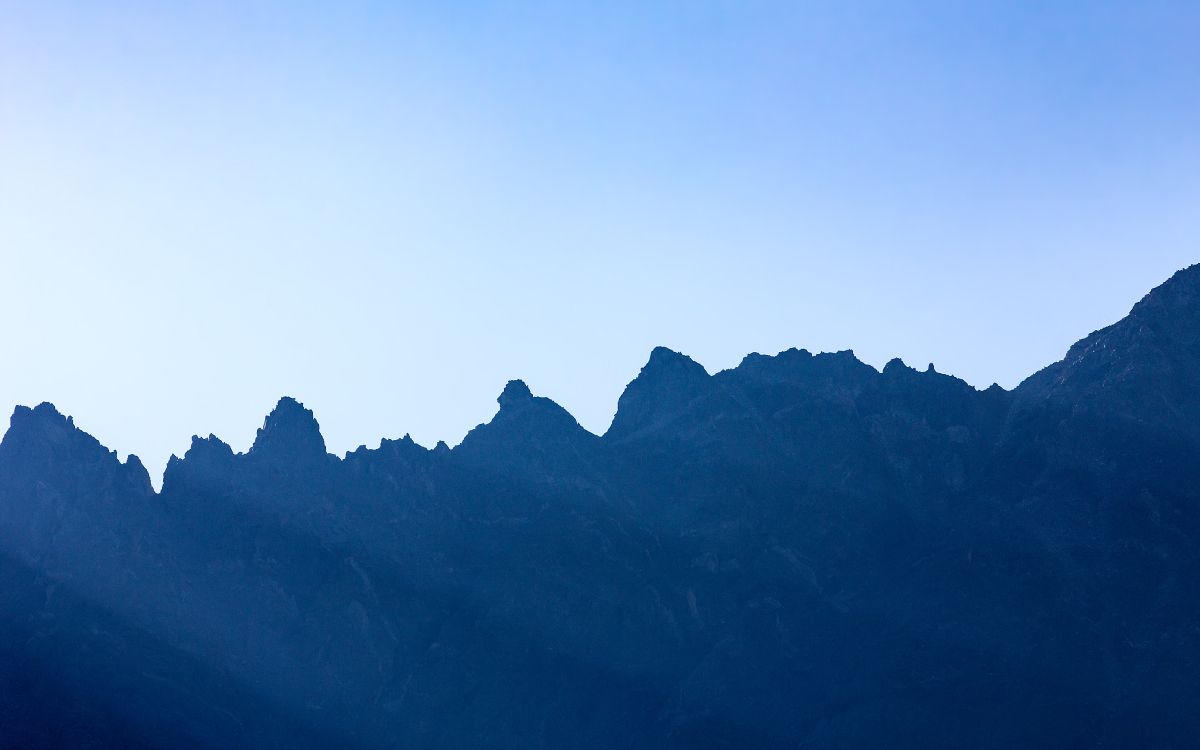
x=801 y=551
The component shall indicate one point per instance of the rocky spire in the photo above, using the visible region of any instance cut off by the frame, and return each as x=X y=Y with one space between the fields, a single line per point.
x=515 y=394
x=41 y=442
x=667 y=383
x=289 y=434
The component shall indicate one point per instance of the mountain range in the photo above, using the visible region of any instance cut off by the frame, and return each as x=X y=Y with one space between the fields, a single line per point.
x=801 y=551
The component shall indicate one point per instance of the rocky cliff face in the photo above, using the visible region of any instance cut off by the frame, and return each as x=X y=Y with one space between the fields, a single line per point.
x=799 y=551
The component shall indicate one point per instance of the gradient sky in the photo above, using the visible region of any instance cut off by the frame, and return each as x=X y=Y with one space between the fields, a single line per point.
x=387 y=210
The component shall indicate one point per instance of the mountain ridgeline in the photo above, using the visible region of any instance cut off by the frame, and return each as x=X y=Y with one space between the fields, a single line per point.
x=801 y=551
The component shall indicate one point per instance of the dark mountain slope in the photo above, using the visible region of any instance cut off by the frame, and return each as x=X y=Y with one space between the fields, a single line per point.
x=1101 y=459
x=799 y=551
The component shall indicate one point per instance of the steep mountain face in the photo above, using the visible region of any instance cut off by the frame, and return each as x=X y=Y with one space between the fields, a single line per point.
x=799 y=551
x=1100 y=457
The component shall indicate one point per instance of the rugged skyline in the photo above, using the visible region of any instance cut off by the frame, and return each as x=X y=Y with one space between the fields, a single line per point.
x=513 y=257
x=388 y=210
x=686 y=367
x=802 y=550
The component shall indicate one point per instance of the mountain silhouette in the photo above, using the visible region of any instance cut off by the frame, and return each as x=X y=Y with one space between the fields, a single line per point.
x=801 y=551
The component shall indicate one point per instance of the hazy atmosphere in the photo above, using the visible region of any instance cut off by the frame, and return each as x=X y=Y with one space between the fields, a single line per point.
x=389 y=210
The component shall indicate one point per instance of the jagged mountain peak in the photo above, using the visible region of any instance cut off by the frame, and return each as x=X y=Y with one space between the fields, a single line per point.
x=897 y=370
x=667 y=383
x=525 y=425
x=45 y=438
x=204 y=454
x=796 y=365
x=1177 y=296
x=137 y=473
x=518 y=406
x=515 y=393
x=755 y=359
x=211 y=446
x=290 y=432
x=44 y=415
x=1149 y=355
x=44 y=424
x=663 y=360
x=404 y=445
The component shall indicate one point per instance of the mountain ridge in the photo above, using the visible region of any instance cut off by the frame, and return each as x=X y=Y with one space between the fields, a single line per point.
x=799 y=550
x=290 y=409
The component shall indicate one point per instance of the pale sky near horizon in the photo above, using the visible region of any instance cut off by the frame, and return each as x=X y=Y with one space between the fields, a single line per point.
x=387 y=210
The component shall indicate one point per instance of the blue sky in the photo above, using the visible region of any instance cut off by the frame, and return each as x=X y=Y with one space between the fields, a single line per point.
x=387 y=210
